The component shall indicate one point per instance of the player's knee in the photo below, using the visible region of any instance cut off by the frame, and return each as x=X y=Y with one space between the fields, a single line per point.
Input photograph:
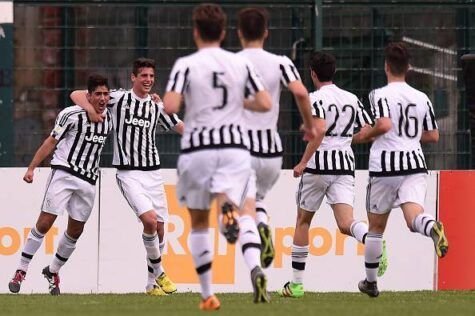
x=76 y=232
x=43 y=225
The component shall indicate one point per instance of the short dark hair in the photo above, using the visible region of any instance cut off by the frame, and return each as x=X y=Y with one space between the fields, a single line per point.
x=324 y=65
x=96 y=80
x=210 y=21
x=253 y=22
x=397 y=57
x=142 y=62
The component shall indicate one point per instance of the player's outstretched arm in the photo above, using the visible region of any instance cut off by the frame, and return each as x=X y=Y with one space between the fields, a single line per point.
x=261 y=102
x=44 y=151
x=303 y=103
x=431 y=136
x=312 y=146
x=79 y=98
x=172 y=102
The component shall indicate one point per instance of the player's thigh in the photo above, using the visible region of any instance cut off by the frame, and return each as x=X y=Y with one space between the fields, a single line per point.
x=130 y=184
x=59 y=190
x=382 y=193
x=81 y=202
x=154 y=187
x=311 y=191
x=413 y=189
x=232 y=175
x=195 y=171
x=267 y=173
x=341 y=190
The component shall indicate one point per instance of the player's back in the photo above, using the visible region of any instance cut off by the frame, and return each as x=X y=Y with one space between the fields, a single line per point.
x=399 y=150
x=213 y=82
x=274 y=71
x=342 y=111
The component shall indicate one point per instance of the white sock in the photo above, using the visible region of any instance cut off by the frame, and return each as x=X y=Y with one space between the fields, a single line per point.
x=261 y=213
x=250 y=241
x=161 y=246
x=202 y=252
x=359 y=230
x=299 y=257
x=154 y=259
x=372 y=254
x=66 y=246
x=423 y=224
x=32 y=244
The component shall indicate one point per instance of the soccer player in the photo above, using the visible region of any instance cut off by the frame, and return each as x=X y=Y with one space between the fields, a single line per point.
x=215 y=162
x=397 y=168
x=136 y=118
x=77 y=144
x=327 y=166
x=265 y=143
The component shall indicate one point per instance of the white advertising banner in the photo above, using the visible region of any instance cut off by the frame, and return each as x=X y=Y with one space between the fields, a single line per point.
x=110 y=257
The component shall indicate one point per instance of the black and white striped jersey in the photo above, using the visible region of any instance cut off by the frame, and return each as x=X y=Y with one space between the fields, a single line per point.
x=398 y=152
x=342 y=112
x=213 y=82
x=80 y=143
x=136 y=121
x=274 y=71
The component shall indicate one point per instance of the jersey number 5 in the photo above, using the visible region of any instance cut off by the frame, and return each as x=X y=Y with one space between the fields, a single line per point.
x=217 y=84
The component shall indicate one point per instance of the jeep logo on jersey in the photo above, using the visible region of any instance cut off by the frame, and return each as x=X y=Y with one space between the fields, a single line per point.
x=96 y=138
x=137 y=122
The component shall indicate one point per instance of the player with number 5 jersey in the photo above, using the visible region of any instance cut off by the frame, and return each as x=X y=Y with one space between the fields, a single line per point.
x=215 y=162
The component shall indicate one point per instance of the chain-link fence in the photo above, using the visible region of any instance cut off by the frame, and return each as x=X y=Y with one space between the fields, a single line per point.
x=57 y=45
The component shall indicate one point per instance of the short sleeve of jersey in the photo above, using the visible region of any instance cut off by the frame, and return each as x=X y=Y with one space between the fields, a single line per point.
x=178 y=80
x=362 y=116
x=317 y=106
x=379 y=104
x=166 y=121
x=63 y=124
x=288 y=71
x=115 y=96
x=429 y=123
x=254 y=82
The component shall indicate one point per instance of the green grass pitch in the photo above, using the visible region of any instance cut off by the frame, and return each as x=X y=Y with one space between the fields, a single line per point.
x=447 y=303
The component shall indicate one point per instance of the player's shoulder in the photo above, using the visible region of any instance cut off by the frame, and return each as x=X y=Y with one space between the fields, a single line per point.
x=72 y=110
x=417 y=93
x=349 y=95
x=70 y=114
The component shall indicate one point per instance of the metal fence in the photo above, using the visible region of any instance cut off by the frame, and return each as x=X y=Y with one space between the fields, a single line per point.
x=57 y=45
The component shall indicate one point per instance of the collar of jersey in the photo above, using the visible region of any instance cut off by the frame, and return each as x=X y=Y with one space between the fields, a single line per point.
x=137 y=97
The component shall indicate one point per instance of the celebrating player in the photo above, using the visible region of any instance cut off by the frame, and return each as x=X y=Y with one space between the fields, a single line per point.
x=77 y=144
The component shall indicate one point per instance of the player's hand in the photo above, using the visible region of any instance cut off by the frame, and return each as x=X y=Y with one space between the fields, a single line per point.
x=309 y=134
x=28 y=177
x=95 y=117
x=298 y=169
x=155 y=98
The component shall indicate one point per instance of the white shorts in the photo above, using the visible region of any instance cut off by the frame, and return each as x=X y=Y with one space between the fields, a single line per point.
x=206 y=172
x=144 y=191
x=313 y=188
x=265 y=173
x=65 y=192
x=386 y=193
